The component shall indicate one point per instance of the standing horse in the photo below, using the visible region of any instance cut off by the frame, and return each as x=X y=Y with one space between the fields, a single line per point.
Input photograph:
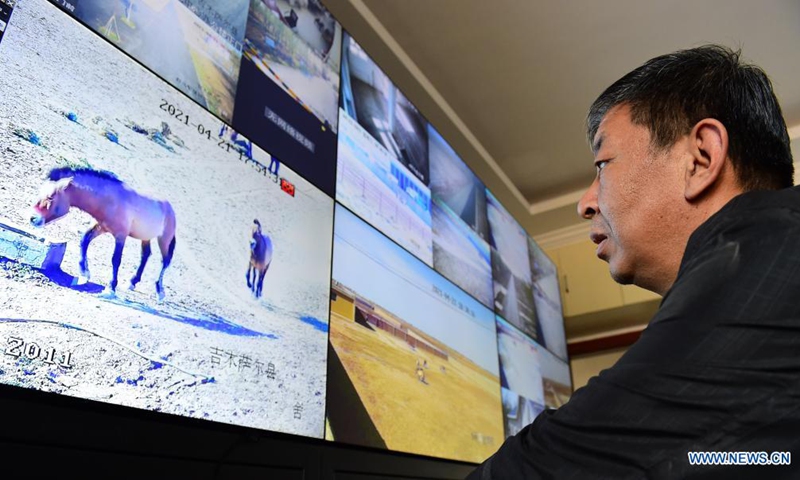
x=260 y=259
x=118 y=210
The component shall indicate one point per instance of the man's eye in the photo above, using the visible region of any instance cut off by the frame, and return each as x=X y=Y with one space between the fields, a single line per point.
x=600 y=165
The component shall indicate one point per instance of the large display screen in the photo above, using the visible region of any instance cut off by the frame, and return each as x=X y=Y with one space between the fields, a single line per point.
x=169 y=239
x=397 y=172
x=111 y=179
x=413 y=363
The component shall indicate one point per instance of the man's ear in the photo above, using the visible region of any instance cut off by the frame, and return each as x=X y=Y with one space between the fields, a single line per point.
x=708 y=148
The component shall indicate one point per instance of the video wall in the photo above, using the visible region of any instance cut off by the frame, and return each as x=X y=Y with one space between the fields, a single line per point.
x=227 y=211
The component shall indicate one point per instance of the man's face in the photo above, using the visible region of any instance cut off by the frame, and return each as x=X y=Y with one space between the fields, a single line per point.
x=633 y=201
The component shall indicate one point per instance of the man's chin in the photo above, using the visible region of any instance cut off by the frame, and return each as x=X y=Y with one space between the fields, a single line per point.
x=620 y=276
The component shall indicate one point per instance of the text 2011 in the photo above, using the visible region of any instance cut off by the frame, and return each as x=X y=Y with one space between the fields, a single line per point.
x=18 y=347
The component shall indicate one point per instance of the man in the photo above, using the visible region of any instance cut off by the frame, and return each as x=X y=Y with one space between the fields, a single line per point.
x=691 y=200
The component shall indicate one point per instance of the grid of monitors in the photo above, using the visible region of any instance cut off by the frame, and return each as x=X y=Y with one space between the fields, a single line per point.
x=192 y=143
x=397 y=172
x=413 y=361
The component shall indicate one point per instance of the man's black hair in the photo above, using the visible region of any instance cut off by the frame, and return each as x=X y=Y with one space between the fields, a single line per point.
x=671 y=93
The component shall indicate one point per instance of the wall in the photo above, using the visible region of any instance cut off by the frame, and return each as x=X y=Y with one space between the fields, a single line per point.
x=587 y=366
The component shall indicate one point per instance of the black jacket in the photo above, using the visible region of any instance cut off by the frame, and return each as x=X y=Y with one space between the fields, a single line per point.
x=717 y=369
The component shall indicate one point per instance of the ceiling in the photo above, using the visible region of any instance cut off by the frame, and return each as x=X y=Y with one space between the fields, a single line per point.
x=508 y=82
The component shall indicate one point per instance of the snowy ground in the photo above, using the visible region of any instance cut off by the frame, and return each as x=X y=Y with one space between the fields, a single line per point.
x=206 y=351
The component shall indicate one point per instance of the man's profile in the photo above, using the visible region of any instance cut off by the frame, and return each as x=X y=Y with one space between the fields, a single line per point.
x=692 y=199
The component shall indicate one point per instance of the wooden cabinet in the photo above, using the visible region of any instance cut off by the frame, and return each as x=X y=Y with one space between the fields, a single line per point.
x=586 y=285
x=633 y=294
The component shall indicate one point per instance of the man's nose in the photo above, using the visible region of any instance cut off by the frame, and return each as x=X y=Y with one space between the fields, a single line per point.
x=587 y=205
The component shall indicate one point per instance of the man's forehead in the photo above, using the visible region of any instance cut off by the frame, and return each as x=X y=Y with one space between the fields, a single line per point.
x=597 y=142
x=602 y=129
x=616 y=125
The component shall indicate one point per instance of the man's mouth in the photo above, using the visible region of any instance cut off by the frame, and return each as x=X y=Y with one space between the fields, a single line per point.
x=600 y=240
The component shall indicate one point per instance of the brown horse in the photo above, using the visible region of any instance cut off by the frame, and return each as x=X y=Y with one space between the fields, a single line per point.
x=118 y=210
x=260 y=259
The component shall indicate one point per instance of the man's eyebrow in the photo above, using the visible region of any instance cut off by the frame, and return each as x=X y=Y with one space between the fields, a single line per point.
x=598 y=142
